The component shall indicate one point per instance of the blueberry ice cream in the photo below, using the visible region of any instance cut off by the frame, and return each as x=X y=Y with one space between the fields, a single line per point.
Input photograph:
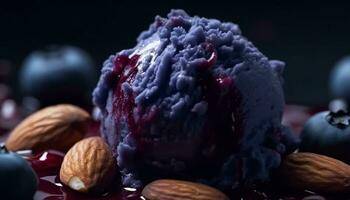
x=194 y=99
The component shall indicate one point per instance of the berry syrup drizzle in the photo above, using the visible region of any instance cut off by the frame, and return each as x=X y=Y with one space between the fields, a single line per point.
x=125 y=70
x=222 y=131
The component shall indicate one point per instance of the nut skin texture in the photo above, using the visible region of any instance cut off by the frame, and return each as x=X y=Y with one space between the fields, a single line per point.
x=315 y=172
x=56 y=127
x=165 y=189
x=91 y=162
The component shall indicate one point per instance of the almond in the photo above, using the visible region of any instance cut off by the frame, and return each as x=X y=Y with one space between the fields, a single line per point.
x=89 y=166
x=315 y=172
x=56 y=127
x=176 y=190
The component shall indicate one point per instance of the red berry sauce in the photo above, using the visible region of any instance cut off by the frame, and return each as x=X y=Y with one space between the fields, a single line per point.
x=125 y=70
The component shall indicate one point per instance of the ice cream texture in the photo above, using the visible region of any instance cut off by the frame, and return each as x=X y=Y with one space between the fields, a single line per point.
x=194 y=99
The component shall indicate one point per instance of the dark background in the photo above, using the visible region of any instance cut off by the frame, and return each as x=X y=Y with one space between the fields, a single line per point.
x=310 y=36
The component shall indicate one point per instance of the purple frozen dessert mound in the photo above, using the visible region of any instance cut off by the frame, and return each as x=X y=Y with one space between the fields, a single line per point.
x=193 y=100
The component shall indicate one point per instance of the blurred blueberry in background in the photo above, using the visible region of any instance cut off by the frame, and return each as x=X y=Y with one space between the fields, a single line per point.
x=340 y=80
x=58 y=74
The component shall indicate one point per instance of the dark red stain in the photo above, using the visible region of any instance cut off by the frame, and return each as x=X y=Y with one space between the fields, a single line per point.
x=125 y=70
x=220 y=131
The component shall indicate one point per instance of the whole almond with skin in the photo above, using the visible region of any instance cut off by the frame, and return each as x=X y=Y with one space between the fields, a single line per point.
x=89 y=166
x=165 y=189
x=55 y=127
x=315 y=172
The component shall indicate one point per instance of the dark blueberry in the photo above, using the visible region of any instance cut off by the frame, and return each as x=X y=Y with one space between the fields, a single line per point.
x=328 y=133
x=59 y=74
x=340 y=80
x=17 y=178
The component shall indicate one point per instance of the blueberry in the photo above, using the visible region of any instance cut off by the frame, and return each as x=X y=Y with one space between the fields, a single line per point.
x=58 y=74
x=17 y=179
x=340 y=80
x=328 y=133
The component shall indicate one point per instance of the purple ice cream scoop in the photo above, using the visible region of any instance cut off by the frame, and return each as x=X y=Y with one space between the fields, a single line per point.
x=194 y=100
